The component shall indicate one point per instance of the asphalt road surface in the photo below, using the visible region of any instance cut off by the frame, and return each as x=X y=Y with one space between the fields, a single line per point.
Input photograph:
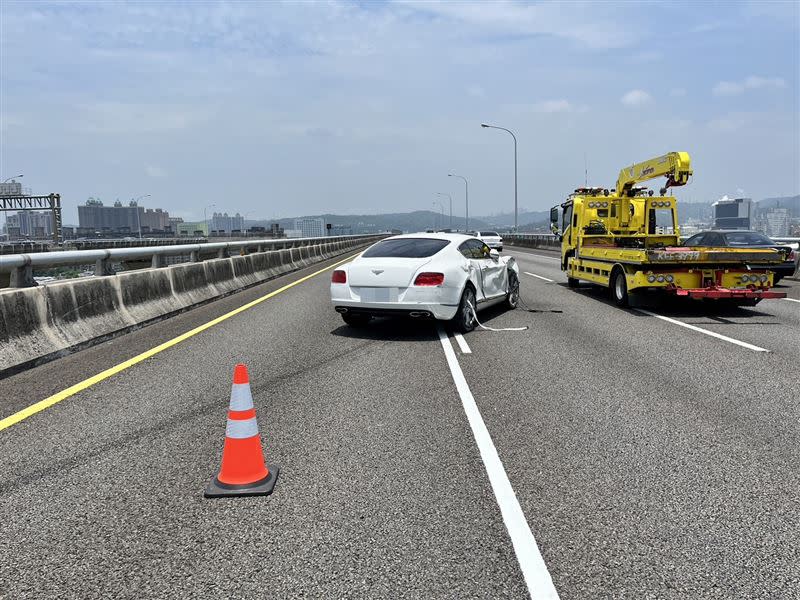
x=636 y=457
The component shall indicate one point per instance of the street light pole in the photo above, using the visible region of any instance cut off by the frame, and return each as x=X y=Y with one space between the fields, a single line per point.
x=486 y=126
x=138 y=219
x=16 y=177
x=466 y=198
x=441 y=211
x=451 y=207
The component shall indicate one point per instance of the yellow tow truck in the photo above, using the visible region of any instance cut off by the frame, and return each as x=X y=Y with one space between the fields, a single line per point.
x=628 y=239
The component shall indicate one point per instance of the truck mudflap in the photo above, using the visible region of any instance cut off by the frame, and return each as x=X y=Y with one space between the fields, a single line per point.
x=720 y=293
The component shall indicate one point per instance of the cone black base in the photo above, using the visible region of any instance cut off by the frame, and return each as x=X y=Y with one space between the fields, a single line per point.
x=217 y=489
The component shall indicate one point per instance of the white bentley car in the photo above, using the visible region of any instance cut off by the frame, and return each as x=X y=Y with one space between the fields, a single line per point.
x=445 y=276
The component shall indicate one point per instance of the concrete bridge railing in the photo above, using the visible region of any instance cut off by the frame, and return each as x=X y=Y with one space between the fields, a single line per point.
x=16 y=270
x=39 y=323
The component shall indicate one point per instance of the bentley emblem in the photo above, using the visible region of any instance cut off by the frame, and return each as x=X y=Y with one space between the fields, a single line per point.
x=377 y=271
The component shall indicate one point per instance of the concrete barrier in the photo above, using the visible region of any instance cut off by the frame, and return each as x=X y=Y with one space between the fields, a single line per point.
x=41 y=323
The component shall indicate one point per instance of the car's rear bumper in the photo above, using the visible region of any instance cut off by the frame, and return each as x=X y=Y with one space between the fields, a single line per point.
x=396 y=309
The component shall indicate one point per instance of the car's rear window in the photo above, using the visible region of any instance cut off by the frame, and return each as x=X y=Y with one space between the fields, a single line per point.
x=747 y=238
x=489 y=234
x=406 y=248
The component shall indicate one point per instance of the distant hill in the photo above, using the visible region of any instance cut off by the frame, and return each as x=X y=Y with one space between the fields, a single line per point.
x=698 y=211
x=790 y=202
x=421 y=220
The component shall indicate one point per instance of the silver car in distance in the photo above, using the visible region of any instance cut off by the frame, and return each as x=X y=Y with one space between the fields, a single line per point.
x=444 y=276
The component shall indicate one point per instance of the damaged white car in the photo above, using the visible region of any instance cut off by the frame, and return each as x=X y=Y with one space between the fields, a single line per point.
x=444 y=276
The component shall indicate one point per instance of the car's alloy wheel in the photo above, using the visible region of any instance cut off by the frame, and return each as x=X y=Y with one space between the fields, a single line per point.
x=464 y=320
x=512 y=299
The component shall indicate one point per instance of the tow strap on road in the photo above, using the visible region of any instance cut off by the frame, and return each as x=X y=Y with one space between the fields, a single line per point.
x=482 y=326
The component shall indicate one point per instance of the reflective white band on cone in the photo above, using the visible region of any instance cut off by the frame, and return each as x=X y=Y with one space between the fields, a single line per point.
x=241 y=398
x=241 y=430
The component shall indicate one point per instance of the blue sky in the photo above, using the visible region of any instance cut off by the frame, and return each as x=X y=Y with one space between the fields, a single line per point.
x=280 y=109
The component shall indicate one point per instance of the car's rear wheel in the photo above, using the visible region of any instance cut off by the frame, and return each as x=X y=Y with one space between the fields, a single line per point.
x=512 y=298
x=464 y=321
x=356 y=319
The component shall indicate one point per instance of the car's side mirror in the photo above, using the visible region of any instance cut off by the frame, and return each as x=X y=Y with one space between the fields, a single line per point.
x=494 y=254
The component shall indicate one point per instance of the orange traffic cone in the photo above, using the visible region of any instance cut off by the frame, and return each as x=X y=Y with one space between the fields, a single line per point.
x=243 y=471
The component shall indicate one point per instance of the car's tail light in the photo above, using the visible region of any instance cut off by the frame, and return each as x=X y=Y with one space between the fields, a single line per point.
x=338 y=276
x=792 y=256
x=429 y=279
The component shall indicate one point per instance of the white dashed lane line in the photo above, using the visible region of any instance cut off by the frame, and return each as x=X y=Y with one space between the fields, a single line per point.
x=538 y=276
x=537 y=577
x=462 y=343
x=791 y=299
x=719 y=336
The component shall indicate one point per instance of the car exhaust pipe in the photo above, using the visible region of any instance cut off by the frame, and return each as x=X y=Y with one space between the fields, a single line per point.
x=341 y=309
x=419 y=314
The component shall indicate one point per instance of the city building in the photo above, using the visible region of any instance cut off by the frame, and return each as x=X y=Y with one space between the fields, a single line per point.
x=154 y=219
x=174 y=222
x=340 y=230
x=732 y=213
x=223 y=222
x=193 y=229
x=777 y=222
x=293 y=233
x=309 y=227
x=32 y=223
x=121 y=218
x=11 y=188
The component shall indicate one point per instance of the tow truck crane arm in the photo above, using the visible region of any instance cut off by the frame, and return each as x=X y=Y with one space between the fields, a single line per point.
x=676 y=166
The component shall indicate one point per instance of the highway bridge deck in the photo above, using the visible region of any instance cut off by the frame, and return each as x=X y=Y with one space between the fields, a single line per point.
x=650 y=459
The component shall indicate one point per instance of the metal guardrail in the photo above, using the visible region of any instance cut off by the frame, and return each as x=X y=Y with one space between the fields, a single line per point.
x=20 y=266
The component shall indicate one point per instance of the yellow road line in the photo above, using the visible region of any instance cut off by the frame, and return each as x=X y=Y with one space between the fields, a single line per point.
x=87 y=383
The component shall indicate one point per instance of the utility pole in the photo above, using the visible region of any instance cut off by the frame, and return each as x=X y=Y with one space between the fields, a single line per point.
x=466 y=199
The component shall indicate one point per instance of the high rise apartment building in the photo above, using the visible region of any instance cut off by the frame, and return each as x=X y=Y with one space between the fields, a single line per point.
x=310 y=227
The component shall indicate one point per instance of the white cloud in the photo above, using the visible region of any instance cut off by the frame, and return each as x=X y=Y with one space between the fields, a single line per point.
x=733 y=88
x=587 y=24
x=636 y=98
x=727 y=124
x=136 y=118
x=153 y=171
x=553 y=106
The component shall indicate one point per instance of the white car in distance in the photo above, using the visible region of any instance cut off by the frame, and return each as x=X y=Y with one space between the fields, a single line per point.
x=444 y=276
x=490 y=238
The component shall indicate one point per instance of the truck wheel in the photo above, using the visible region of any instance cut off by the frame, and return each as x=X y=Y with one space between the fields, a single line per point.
x=464 y=320
x=619 y=288
x=512 y=298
